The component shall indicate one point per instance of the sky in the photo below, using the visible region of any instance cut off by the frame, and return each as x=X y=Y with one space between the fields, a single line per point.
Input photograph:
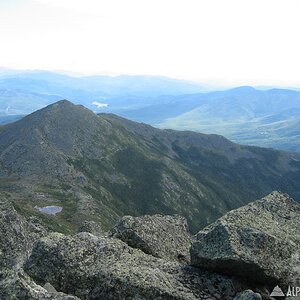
x=234 y=42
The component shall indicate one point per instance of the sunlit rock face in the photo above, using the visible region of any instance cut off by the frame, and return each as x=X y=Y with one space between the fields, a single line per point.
x=161 y=236
x=259 y=241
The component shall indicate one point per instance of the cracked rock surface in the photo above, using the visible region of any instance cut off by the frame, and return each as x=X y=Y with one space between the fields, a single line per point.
x=259 y=242
x=162 y=236
x=238 y=257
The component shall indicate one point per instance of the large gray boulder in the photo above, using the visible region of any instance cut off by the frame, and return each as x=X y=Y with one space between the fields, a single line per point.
x=19 y=286
x=259 y=242
x=162 y=236
x=17 y=235
x=93 y=267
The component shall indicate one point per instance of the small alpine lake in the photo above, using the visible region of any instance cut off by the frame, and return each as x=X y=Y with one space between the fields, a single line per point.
x=50 y=210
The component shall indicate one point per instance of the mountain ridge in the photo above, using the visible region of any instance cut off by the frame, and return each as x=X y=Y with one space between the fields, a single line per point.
x=100 y=168
x=264 y=117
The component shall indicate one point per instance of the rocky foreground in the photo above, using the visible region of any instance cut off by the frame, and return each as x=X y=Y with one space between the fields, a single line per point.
x=243 y=255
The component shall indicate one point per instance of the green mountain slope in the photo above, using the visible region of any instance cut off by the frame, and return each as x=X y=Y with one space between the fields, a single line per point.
x=267 y=118
x=100 y=167
x=263 y=118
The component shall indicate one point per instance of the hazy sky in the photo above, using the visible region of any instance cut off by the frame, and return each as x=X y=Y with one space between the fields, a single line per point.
x=229 y=41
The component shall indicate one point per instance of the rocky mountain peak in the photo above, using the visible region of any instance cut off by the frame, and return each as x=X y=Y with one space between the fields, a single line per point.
x=104 y=167
x=45 y=137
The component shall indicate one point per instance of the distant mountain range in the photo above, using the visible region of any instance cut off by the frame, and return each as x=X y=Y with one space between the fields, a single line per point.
x=246 y=115
x=268 y=118
x=22 y=93
x=100 y=167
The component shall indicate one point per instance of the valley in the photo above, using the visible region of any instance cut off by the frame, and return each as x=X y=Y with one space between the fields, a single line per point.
x=246 y=115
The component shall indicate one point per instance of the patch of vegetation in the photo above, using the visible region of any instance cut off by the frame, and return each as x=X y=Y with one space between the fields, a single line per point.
x=54 y=223
x=140 y=190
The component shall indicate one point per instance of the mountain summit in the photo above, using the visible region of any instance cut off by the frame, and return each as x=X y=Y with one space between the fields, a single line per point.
x=101 y=167
x=47 y=136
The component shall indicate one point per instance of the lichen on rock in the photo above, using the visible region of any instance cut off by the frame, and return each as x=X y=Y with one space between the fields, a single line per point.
x=93 y=267
x=162 y=236
x=259 y=242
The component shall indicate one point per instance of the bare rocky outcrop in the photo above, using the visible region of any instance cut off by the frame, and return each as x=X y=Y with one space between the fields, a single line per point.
x=162 y=236
x=19 y=286
x=91 y=227
x=17 y=235
x=255 y=246
x=93 y=267
x=259 y=242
